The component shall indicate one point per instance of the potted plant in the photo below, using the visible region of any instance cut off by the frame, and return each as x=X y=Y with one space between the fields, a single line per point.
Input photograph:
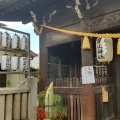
x=58 y=111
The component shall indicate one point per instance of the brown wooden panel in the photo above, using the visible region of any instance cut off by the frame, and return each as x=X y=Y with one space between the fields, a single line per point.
x=43 y=62
x=71 y=94
x=116 y=81
x=104 y=7
x=98 y=90
x=108 y=21
x=104 y=110
x=68 y=90
x=88 y=99
x=55 y=38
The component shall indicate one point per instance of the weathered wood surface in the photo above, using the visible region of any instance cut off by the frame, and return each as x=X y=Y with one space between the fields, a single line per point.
x=68 y=90
x=17 y=101
x=73 y=99
x=88 y=98
x=2 y=107
x=9 y=107
x=43 y=62
x=14 y=90
x=71 y=96
x=98 y=90
x=65 y=15
x=14 y=105
x=104 y=7
x=105 y=22
x=24 y=106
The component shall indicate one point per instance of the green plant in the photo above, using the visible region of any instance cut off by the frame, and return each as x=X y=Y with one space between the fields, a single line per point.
x=41 y=99
x=58 y=110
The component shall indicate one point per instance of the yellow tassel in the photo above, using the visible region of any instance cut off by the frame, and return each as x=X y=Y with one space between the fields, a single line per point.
x=118 y=47
x=41 y=29
x=86 y=43
x=104 y=95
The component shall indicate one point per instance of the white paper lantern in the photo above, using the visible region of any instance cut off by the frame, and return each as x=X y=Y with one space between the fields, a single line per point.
x=6 y=39
x=24 y=43
x=14 y=63
x=23 y=63
x=5 y=62
x=15 y=42
x=104 y=49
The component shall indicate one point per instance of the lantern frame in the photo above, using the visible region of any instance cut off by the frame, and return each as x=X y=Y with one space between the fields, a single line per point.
x=18 y=52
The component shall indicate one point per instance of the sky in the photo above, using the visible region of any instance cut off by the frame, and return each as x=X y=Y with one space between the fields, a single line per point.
x=34 y=39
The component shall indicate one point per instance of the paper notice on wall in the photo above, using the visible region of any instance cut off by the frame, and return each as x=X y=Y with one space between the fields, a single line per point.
x=88 y=75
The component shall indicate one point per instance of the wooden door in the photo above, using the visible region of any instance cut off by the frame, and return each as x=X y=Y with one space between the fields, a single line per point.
x=71 y=91
x=104 y=110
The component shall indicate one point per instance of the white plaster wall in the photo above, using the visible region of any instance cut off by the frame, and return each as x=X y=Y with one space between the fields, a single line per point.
x=35 y=62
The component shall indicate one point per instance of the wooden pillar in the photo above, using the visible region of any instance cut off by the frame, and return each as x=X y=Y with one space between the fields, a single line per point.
x=88 y=98
x=115 y=66
x=43 y=62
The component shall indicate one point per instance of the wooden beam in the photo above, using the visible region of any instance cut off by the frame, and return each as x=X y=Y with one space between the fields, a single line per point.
x=115 y=67
x=55 y=38
x=88 y=100
x=98 y=90
x=14 y=90
x=104 y=7
x=104 y=22
x=43 y=62
x=13 y=6
x=65 y=90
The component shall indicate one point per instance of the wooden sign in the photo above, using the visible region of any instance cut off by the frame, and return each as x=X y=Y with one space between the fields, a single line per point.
x=104 y=49
x=88 y=75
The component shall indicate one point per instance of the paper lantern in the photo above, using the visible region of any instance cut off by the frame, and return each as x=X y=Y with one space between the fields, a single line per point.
x=5 y=62
x=15 y=42
x=104 y=49
x=24 y=43
x=14 y=63
x=23 y=63
x=6 y=39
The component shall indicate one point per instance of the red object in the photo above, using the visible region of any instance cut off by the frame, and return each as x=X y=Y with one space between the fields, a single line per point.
x=58 y=116
x=40 y=112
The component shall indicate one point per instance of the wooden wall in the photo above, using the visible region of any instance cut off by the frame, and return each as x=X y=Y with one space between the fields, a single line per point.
x=104 y=15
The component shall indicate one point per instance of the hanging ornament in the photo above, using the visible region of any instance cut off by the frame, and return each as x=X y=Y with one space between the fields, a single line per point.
x=104 y=49
x=6 y=39
x=118 y=47
x=104 y=94
x=5 y=62
x=23 y=64
x=14 y=62
x=24 y=43
x=15 y=42
x=86 y=43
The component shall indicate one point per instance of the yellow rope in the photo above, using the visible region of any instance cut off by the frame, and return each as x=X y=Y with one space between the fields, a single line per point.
x=106 y=35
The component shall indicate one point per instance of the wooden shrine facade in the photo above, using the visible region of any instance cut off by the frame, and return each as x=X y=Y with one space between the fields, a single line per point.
x=61 y=56
x=62 y=59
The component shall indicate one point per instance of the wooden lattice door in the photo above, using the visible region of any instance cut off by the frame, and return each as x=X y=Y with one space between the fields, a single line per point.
x=104 y=110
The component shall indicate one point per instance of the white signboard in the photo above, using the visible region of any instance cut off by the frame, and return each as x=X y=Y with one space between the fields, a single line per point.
x=88 y=75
